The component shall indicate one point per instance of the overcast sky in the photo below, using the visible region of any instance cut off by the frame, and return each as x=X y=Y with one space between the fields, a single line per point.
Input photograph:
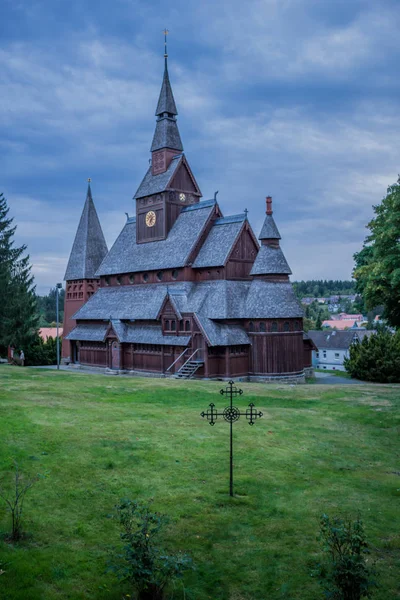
x=298 y=99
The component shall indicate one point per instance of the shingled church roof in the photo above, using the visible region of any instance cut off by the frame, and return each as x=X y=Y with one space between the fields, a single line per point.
x=270 y=261
x=220 y=242
x=89 y=247
x=155 y=184
x=217 y=300
x=126 y=256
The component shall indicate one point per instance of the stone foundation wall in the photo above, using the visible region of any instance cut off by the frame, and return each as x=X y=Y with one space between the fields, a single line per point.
x=309 y=372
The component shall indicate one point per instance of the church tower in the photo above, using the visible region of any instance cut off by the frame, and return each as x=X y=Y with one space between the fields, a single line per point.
x=88 y=251
x=169 y=184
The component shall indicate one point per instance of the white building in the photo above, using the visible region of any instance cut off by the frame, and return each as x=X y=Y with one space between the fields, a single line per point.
x=333 y=346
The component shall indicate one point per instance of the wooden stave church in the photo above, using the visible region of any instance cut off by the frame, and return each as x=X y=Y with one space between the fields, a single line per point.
x=183 y=290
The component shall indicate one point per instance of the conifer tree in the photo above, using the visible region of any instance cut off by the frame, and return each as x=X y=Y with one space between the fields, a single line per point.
x=18 y=316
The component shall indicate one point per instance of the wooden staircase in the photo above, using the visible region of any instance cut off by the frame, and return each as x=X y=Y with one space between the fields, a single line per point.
x=188 y=369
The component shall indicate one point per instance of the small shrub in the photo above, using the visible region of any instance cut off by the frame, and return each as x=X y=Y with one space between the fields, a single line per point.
x=345 y=574
x=147 y=567
x=15 y=502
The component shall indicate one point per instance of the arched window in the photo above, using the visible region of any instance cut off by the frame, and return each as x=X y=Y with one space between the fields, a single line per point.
x=274 y=326
x=160 y=275
x=286 y=326
x=131 y=278
x=145 y=277
x=107 y=280
x=251 y=326
x=175 y=274
x=296 y=325
x=263 y=328
x=173 y=325
x=119 y=280
x=187 y=325
x=167 y=325
x=181 y=325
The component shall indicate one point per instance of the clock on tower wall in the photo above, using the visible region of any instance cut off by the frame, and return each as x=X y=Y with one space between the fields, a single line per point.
x=150 y=219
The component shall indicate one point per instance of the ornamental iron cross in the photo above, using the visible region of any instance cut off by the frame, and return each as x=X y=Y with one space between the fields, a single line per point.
x=231 y=414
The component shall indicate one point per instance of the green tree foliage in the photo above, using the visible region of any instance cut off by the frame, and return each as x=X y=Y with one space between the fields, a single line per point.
x=376 y=359
x=345 y=573
x=47 y=307
x=377 y=265
x=18 y=312
x=42 y=352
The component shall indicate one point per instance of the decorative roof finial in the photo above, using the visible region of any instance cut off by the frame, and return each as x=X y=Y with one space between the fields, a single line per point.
x=165 y=32
x=269 y=205
x=245 y=212
x=89 y=180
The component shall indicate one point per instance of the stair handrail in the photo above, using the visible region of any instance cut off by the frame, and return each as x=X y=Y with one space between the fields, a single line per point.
x=189 y=359
x=175 y=361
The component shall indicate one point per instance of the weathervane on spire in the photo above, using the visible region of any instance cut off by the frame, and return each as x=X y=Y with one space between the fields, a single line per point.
x=165 y=32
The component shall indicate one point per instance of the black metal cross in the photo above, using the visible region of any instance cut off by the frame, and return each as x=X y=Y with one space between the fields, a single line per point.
x=231 y=414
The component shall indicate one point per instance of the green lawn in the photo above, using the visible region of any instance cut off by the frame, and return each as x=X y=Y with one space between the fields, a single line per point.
x=332 y=449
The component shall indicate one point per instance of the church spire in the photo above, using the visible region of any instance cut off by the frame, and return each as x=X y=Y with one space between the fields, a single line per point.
x=166 y=102
x=89 y=247
x=166 y=135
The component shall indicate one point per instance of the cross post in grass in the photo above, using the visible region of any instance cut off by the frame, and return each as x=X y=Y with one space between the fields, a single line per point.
x=231 y=414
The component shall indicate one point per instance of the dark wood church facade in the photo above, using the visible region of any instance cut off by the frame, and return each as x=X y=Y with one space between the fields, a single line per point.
x=184 y=290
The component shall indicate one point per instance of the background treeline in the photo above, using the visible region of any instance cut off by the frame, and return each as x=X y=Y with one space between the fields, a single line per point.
x=320 y=288
x=46 y=307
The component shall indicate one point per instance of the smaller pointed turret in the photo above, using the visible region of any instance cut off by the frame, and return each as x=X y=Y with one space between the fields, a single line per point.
x=270 y=260
x=269 y=231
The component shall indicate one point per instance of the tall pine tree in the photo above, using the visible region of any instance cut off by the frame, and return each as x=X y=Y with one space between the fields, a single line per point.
x=18 y=315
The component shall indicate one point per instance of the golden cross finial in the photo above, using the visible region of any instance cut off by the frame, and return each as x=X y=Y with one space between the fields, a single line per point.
x=89 y=180
x=165 y=32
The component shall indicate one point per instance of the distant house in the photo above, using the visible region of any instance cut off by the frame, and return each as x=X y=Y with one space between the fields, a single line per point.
x=347 y=317
x=341 y=325
x=47 y=332
x=333 y=347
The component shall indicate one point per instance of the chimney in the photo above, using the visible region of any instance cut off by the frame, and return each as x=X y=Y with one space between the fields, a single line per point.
x=269 y=205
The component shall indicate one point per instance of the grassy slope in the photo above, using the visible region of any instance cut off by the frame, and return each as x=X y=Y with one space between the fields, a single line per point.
x=317 y=449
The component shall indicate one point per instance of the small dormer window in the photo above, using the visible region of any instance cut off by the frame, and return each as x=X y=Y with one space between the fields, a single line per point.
x=145 y=277
x=131 y=278
x=263 y=328
x=119 y=280
x=251 y=326
x=107 y=280
x=286 y=326
x=160 y=275
x=274 y=326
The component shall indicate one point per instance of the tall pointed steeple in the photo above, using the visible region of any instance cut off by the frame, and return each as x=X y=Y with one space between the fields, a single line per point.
x=89 y=247
x=166 y=140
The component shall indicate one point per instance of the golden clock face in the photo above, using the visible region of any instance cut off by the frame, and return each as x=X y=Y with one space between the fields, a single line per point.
x=151 y=218
x=182 y=197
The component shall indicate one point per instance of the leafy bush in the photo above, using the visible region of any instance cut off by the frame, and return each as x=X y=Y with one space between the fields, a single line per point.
x=345 y=574
x=376 y=359
x=142 y=562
